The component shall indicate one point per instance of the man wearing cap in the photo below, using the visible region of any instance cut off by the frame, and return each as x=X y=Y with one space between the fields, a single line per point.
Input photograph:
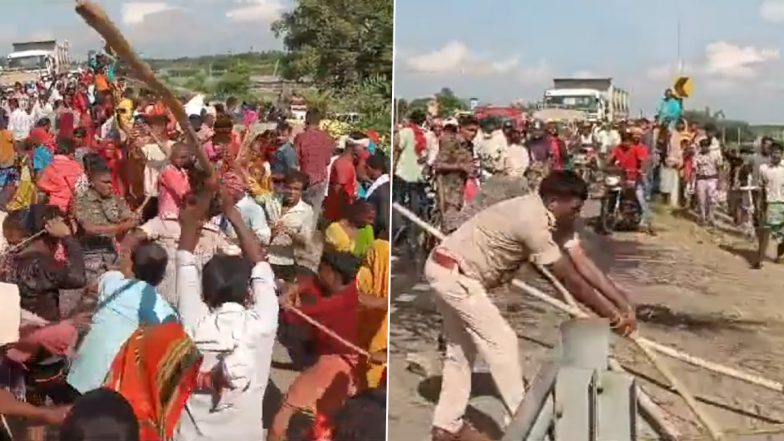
x=453 y=166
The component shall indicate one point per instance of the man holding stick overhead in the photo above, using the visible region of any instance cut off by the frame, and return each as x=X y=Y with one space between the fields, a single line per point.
x=486 y=252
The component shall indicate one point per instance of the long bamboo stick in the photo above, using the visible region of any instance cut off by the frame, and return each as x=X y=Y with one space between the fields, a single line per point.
x=97 y=19
x=648 y=407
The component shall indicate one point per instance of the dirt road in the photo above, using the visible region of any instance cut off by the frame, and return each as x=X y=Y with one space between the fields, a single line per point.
x=694 y=291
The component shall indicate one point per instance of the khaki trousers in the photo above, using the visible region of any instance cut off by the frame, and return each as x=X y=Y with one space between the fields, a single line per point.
x=472 y=325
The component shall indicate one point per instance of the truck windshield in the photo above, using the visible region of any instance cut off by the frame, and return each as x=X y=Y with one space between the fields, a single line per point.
x=27 y=63
x=580 y=102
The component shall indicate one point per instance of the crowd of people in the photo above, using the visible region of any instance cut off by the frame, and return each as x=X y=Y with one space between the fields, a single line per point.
x=146 y=291
x=442 y=164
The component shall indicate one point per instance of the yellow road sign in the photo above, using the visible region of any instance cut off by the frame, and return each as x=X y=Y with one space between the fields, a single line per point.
x=683 y=87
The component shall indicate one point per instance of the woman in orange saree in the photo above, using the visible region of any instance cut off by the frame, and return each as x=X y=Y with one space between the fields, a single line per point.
x=156 y=371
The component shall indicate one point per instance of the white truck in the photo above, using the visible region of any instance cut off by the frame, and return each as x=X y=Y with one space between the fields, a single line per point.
x=596 y=99
x=31 y=60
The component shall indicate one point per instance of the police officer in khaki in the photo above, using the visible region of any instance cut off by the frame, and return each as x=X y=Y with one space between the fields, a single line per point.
x=486 y=252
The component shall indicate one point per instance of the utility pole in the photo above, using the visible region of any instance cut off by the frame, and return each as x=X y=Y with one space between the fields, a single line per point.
x=680 y=58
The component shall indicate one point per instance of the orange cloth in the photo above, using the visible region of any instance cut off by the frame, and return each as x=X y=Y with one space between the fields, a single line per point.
x=156 y=371
x=101 y=82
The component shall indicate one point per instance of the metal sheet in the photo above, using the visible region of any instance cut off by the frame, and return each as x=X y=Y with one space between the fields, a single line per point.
x=616 y=407
x=575 y=404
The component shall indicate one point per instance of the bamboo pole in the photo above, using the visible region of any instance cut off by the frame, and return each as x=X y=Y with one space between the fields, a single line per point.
x=648 y=407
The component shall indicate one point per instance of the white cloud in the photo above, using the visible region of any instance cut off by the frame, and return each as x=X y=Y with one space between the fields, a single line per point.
x=730 y=61
x=450 y=58
x=661 y=73
x=772 y=10
x=457 y=58
x=133 y=13
x=504 y=66
x=537 y=73
x=265 y=11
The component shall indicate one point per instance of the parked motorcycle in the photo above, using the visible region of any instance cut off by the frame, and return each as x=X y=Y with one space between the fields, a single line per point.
x=620 y=209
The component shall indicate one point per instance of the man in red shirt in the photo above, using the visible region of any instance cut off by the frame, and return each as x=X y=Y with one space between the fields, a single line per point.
x=332 y=379
x=314 y=148
x=634 y=160
x=343 y=183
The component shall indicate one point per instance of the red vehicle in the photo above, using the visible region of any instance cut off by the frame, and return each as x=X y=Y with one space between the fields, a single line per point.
x=504 y=113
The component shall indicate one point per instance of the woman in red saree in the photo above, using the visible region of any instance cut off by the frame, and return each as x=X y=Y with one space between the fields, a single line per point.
x=156 y=371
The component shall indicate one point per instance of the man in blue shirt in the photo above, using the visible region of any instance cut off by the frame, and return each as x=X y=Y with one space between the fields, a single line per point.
x=670 y=109
x=124 y=304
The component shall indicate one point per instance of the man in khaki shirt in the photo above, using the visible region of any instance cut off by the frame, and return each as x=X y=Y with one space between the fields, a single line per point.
x=486 y=252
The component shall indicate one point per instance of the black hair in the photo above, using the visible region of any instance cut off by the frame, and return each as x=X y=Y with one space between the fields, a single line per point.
x=128 y=93
x=43 y=122
x=378 y=161
x=776 y=146
x=362 y=418
x=80 y=132
x=93 y=161
x=343 y=263
x=468 y=120
x=225 y=279
x=313 y=117
x=65 y=146
x=417 y=116
x=149 y=262
x=38 y=215
x=766 y=139
x=283 y=126
x=101 y=414
x=16 y=220
x=709 y=127
x=563 y=184
x=297 y=176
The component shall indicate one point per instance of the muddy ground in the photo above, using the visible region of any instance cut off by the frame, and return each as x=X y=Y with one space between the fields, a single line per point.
x=694 y=291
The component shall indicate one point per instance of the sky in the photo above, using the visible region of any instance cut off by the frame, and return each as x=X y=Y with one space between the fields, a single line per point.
x=156 y=28
x=501 y=51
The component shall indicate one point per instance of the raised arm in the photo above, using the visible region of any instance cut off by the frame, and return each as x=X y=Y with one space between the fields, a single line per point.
x=265 y=301
x=190 y=304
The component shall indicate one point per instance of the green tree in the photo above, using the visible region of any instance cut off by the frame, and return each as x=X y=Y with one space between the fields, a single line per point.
x=337 y=42
x=449 y=103
x=235 y=82
x=198 y=82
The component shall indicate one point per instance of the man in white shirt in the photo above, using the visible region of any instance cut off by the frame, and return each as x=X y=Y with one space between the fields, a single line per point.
x=607 y=138
x=772 y=221
x=291 y=231
x=21 y=121
x=233 y=323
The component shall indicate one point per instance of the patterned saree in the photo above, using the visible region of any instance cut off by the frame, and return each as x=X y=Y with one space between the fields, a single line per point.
x=156 y=371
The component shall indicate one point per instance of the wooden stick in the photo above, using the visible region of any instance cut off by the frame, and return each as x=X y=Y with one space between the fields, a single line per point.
x=328 y=331
x=666 y=350
x=649 y=408
x=146 y=201
x=688 y=397
x=25 y=242
x=97 y=18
